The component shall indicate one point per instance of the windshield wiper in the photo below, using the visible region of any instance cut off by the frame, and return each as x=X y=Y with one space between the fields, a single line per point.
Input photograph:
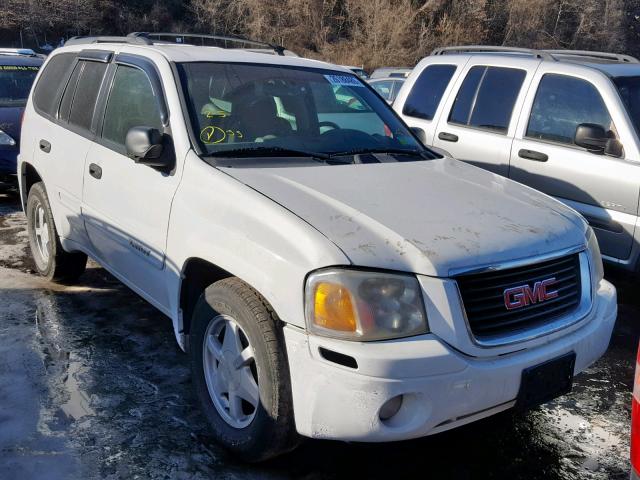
x=400 y=151
x=268 y=151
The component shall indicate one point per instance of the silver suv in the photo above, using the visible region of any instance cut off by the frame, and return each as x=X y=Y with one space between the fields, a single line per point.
x=563 y=122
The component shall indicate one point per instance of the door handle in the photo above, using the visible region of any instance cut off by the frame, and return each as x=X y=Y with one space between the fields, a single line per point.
x=533 y=155
x=95 y=171
x=448 y=137
x=45 y=146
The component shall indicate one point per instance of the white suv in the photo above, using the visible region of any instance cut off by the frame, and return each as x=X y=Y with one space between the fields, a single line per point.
x=328 y=275
x=564 y=122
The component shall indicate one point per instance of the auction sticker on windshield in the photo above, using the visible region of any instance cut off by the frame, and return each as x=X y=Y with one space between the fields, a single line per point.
x=343 y=80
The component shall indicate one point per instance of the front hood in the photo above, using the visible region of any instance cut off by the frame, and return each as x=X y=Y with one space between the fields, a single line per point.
x=427 y=217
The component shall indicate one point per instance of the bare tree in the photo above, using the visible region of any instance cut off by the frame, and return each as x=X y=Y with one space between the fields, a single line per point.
x=361 y=32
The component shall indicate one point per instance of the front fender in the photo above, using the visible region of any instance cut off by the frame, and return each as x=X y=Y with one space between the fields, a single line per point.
x=219 y=219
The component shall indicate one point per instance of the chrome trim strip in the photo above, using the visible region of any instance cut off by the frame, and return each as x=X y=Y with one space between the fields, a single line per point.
x=522 y=262
x=582 y=311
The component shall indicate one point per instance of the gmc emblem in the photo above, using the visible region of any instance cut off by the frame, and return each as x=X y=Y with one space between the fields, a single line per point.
x=523 y=295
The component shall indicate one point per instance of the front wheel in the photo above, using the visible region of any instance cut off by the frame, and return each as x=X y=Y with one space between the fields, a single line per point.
x=48 y=255
x=240 y=371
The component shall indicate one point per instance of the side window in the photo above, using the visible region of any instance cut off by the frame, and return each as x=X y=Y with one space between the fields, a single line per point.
x=69 y=92
x=84 y=99
x=427 y=91
x=384 y=88
x=132 y=103
x=561 y=104
x=338 y=99
x=487 y=97
x=397 y=85
x=46 y=90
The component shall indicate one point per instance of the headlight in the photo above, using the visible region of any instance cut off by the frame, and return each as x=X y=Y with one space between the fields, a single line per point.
x=6 y=139
x=595 y=259
x=360 y=305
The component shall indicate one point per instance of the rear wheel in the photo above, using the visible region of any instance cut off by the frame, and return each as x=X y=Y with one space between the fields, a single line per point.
x=50 y=259
x=240 y=371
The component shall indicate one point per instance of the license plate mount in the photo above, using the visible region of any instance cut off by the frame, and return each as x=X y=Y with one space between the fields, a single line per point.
x=546 y=381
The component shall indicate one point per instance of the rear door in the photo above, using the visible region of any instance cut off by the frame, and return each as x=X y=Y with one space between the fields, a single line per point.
x=603 y=188
x=420 y=100
x=65 y=98
x=126 y=205
x=478 y=122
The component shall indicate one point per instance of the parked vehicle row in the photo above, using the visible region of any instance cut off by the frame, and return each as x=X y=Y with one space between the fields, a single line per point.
x=563 y=122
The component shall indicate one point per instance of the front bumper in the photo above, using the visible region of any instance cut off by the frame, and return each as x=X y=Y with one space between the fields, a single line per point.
x=442 y=388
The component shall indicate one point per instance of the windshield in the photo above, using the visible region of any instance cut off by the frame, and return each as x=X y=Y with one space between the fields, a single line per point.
x=15 y=84
x=244 y=108
x=360 y=72
x=629 y=89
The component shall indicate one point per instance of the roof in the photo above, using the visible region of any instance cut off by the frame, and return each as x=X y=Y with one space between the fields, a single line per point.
x=380 y=69
x=179 y=53
x=394 y=79
x=617 y=69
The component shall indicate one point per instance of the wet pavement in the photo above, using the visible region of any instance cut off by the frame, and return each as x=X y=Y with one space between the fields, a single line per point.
x=93 y=385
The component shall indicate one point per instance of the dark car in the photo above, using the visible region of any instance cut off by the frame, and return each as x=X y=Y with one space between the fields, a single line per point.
x=18 y=69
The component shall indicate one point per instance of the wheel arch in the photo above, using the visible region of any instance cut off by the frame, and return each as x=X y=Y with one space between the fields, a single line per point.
x=196 y=275
x=29 y=176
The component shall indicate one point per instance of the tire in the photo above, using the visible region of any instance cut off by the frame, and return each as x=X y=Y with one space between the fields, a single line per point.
x=258 y=432
x=50 y=259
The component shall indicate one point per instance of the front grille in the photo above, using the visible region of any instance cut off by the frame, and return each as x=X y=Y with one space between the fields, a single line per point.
x=483 y=296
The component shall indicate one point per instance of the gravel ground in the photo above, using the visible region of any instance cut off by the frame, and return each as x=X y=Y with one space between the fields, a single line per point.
x=92 y=385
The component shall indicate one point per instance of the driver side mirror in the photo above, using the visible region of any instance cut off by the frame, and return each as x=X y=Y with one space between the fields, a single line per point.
x=145 y=145
x=592 y=137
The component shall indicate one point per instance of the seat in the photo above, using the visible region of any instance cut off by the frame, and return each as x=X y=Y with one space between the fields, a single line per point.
x=259 y=118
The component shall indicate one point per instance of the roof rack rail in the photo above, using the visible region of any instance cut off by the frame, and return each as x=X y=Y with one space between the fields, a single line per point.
x=132 y=39
x=192 y=39
x=551 y=55
x=617 y=57
x=492 y=49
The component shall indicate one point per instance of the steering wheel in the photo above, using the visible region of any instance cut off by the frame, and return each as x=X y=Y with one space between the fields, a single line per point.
x=332 y=125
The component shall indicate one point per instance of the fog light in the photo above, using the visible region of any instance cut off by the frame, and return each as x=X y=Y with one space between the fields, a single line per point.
x=390 y=408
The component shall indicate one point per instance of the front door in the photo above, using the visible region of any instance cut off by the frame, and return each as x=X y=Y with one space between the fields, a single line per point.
x=603 y=188
x=126 y=205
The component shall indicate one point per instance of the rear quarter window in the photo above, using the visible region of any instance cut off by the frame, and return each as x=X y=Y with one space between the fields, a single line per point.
x=427 y=91
x=45 y=95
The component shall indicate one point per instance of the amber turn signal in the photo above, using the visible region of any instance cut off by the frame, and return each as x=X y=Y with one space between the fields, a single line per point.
x=334 y=307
